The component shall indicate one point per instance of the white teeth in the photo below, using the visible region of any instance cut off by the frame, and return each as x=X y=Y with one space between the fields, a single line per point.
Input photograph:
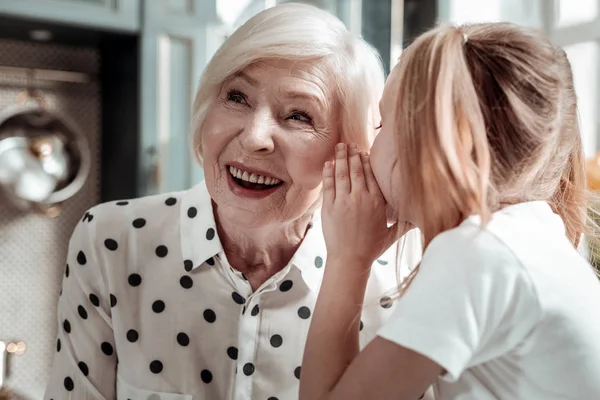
x=254 y=178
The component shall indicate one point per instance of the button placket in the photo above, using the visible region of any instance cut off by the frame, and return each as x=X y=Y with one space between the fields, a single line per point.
x=248 y=340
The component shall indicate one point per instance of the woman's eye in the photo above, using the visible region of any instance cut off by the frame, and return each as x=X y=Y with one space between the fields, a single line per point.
x=236 y=96
x=301 y=116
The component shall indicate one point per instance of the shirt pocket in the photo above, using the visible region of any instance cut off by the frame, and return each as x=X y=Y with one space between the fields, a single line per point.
x=125 y=391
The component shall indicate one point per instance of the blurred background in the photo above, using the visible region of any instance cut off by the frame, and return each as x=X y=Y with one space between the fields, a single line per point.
x=95 y=102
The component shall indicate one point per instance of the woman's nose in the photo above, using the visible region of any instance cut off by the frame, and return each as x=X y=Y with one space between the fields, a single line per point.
x=257 y=135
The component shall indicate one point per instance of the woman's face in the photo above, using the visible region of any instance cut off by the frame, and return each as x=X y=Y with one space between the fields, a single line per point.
x=384 y=152
x=265 y=140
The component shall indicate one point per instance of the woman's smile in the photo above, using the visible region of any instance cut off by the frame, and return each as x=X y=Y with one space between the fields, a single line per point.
x=250 y=182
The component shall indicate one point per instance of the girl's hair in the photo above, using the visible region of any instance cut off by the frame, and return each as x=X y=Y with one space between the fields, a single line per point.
x=352 y=69
x=488 y=113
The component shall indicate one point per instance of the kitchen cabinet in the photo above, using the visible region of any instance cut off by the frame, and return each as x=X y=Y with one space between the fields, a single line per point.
x=178 y=38
x=116 y=15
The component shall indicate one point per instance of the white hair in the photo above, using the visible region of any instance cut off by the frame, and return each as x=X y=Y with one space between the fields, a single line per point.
x=301 y=32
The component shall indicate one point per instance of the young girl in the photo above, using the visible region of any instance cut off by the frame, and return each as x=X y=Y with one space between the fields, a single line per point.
x=479 y=149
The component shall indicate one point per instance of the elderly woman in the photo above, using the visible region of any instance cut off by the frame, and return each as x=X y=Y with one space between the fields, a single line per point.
x=208 y=293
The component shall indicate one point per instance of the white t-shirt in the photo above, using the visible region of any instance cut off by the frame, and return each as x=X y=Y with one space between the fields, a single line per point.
x=510 y=311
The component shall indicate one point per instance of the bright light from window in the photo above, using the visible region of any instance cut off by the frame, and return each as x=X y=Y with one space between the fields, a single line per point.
x=230 y=10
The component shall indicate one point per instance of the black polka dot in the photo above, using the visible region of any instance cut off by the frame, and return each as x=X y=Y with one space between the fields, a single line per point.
x=192 y=212
x=304 y=312
x=94 y=300
x=238 y=298
x=382 y=262
x=134 y=280
x=67 y=326
x=361 y=326
x=139 y=223
x=122 y=203
x=385 y=302
x=297 y=372
x=244 y=310
x=206 y=376
x=183 y=339
x=318 y=262
x=210 y=316
x=82 y=313
x=210 y=261
x=272 y=398
x=84 y=368
x=232 y=352
x=67 y=271
x=158 y=306
x=69 y=385
x=58 y=345
x=113 y=300
x=188 y=265
x=162 y=251
x=81 y=259
x=276 y=340
x=254 y=311
x=156 y=367
x=248 y=369
x=107 y=348
x=171 y=201
x=186 y=282
x=132 y=335
x=111 y=244
x=210 y=234
x=286 y=285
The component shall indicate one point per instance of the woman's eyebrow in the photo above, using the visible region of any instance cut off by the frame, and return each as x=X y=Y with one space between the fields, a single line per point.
x=244 y=76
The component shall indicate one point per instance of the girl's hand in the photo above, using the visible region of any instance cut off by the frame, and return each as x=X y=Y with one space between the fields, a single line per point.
x=354 y=210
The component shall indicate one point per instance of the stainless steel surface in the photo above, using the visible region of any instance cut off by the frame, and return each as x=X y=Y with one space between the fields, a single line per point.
x=44 y=157
x=33 y=247
x=45 y=74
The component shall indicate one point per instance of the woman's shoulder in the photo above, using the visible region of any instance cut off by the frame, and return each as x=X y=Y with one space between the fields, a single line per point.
x=157 y=211
x=118 y=211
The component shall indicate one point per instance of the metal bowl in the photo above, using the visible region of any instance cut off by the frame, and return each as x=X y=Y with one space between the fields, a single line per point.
x=44 y=157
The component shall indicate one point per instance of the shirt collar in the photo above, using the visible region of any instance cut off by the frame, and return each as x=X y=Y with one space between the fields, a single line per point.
x=200 y=240
x=311 y=255
x=198 y=229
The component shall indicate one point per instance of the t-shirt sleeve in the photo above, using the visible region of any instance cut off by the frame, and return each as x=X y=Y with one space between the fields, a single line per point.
x=471 y=301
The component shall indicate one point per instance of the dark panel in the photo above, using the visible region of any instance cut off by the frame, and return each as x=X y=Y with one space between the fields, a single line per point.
x=120 y=77
x=419 y=16
x=376 y=27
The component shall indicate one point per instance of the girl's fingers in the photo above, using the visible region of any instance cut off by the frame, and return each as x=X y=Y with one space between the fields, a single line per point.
x=370 y=181
x=342 y=178
x=357 y=176
x=328 y=183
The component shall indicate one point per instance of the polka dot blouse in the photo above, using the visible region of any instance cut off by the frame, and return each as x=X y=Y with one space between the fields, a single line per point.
x=150 y=309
